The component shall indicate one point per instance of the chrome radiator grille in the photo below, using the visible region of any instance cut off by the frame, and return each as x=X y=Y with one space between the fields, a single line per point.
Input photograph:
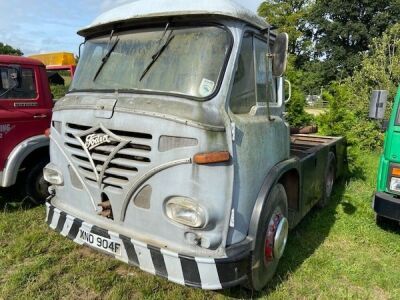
x=112 y=164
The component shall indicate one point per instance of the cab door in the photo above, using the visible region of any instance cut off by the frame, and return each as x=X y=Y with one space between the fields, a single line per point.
x=23 y=114
x=261 y=140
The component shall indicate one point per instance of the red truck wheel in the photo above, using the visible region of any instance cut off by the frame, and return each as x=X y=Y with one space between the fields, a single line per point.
x=270 y=240
x=35 y=185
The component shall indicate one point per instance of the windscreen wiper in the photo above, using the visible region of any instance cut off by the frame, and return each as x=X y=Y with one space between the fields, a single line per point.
x=106 y=57
x=158 y=53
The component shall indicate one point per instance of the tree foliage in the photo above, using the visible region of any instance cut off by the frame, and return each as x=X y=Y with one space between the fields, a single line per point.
x=341 y=42
x=296 y=115
x=349 y=99
x=289 y=16
x=8 y=50
x=343 y=30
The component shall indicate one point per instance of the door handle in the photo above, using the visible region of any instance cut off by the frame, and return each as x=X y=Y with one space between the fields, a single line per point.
x=40 y=116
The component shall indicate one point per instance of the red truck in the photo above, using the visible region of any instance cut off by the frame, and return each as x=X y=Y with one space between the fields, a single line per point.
x=25 y=113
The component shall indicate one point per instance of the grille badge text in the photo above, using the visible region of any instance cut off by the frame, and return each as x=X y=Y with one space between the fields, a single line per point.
x=94 y=137
x=94 y=140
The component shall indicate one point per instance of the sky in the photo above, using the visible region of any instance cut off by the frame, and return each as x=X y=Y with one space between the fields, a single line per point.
x=38 y=26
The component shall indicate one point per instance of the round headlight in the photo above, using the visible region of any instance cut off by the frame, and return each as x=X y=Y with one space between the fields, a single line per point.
x=52 y=175
x=185 y=211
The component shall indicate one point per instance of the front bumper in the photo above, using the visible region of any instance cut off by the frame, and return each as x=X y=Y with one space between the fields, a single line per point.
x=387 y=205
x=200 y=272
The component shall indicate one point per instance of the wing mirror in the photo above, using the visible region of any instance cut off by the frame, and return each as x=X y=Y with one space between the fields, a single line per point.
x=377 y=105
x=280 y=54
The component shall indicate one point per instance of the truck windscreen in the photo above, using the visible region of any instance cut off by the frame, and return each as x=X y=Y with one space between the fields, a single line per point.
x=190 y=64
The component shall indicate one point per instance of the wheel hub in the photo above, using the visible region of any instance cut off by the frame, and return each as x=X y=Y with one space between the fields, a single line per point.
x=281 y=235
x=329 y=183
x=276 y=238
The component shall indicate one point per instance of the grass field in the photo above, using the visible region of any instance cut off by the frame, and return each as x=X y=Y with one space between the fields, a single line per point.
x=337 y=252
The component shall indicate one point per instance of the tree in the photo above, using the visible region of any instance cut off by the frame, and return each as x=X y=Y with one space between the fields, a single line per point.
x=380 y=69
x=343 y=30
x=289 y=16
x=8 y=50
x=349 y=99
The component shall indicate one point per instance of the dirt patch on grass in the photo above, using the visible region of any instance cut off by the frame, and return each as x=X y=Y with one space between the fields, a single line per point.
x=126 y=271
x=83 y=251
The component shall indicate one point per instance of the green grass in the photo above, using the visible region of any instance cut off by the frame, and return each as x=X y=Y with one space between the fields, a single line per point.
x=337 y=252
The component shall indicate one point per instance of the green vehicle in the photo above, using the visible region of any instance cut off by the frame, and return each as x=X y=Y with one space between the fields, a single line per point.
x=386 y=202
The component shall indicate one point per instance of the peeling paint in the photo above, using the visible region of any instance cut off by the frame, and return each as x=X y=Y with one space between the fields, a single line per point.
x=5 y=129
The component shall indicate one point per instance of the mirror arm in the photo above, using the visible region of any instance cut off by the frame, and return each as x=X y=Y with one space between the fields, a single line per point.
x=269 y=58
x=80 y=46
x=290 y=91
x=268 y=29
x=384 y=125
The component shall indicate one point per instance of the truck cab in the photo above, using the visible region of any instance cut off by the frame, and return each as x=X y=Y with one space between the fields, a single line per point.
x=25 y=114
x=386 y=200
x=171 y=151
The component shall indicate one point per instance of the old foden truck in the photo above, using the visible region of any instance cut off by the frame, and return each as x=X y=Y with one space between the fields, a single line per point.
x=171 y=151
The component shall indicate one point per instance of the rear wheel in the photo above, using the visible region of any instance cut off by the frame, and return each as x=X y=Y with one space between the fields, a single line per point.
x=270 y=240
x=329 y=180
x=35 y=185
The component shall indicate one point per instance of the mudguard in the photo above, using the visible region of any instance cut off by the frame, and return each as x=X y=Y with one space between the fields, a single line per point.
x=17 y=157
x=274 y=175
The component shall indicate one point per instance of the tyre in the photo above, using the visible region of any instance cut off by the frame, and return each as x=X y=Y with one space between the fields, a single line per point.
x=271 y=239
x=35 y=185
x=329 y=180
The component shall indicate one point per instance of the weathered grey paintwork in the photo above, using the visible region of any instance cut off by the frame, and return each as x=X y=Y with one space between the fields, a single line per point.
x=140 y=11
x=231 y=193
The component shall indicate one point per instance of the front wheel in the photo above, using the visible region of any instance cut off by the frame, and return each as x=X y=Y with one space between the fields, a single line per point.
x=35 y=185
x=271 y=238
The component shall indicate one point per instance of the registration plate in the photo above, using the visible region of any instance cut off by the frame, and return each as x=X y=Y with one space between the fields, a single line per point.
x=100 y=242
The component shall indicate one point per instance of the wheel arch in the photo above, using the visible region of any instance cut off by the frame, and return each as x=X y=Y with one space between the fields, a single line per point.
x=282 y=173
x=291 y=182
x=26 y=152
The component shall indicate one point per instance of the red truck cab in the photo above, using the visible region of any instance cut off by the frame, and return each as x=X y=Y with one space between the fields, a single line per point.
x=25 y=113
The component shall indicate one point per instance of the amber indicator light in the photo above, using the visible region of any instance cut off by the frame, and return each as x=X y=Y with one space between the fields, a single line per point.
x=211 y=157
x=396 y=172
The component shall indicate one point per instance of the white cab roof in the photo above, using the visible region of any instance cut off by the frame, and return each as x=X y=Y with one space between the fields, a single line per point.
x=147 y=9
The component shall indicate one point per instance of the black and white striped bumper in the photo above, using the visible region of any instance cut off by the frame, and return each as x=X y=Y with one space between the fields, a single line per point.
x=200 y=272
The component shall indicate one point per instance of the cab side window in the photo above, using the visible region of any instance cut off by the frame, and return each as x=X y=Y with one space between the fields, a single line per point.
x=25 y=89
x=243 y=96
x=266 y=89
